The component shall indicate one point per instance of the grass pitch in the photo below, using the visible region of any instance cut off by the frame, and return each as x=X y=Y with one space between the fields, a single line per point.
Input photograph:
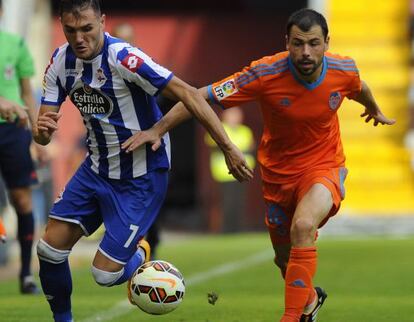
x=366 y=280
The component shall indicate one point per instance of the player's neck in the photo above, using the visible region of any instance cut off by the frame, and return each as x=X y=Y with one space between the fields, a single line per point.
x=313 y=77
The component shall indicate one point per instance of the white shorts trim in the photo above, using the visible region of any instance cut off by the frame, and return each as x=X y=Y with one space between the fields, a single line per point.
x=110 y=257
x=73 y=221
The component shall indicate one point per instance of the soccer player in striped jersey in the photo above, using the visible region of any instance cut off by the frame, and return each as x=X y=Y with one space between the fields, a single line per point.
x=113 y=85
x=300 y=154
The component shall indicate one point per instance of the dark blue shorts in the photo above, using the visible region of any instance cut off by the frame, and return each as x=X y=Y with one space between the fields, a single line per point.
x=126 y=207
x=16 y=164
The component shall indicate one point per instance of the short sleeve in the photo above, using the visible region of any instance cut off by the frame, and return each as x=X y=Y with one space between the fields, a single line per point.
x=138 y=68
x=53 y=91
x=25 y=64
x=355 y=84
x=239 y=88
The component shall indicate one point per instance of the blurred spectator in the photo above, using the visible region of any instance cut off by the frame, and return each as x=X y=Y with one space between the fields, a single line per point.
x=124 y=31
x=231 y=193
x=16 y=68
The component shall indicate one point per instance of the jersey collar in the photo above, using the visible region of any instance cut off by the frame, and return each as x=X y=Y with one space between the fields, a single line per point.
x=309 y=86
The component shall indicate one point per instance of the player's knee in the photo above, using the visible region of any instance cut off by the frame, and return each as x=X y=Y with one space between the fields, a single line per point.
x=302 y=230
x=47 y=253
x=104 y=278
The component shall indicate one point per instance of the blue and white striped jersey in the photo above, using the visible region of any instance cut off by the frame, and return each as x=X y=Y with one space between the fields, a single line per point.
x=114 y=93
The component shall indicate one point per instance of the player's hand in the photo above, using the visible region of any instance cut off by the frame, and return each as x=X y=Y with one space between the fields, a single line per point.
x=47 y=124
x=140 y=138
x=237 y=165
x=377 y=117
x=13 y=112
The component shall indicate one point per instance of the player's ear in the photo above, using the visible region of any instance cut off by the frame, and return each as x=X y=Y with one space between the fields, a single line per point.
x=327 y=43
x=103 y=18
x=287 y=42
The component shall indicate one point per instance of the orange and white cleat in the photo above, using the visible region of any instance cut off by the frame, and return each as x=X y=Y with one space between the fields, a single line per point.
x=146 y=249
x=3 y=235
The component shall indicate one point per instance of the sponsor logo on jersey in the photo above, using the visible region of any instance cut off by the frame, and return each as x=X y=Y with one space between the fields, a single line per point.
x=132 y=62
x=334 y=100
x=91 y=101
x=225 y=89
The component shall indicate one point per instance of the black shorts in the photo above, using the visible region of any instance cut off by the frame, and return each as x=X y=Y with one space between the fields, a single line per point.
x=16 y=163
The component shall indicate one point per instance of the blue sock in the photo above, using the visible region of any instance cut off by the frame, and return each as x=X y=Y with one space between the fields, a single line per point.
x=57 y=286
x=25 y=231
x=130 y=267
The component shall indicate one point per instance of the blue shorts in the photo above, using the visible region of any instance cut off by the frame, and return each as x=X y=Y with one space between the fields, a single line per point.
x=126 y=207
x=16 y=164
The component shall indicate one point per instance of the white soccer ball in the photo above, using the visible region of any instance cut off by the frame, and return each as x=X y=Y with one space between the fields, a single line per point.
x=157 y=287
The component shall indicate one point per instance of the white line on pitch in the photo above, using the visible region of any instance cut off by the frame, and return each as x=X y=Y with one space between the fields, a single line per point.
x=122 y=307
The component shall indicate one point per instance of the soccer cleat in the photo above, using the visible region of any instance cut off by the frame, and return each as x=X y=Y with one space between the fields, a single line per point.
x=146 y=248
x=28 y=286
x=311 y=316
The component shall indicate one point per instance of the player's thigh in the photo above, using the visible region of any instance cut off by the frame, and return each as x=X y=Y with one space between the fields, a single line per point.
x=62 y=235
x=319 y=195
x=77 y=204
x=128 y=207
x=315 y=205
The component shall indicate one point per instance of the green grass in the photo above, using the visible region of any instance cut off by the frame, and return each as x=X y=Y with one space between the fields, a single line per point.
x=366 y=279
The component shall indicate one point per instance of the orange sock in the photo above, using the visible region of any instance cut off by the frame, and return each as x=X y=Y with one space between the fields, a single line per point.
x=298 y=282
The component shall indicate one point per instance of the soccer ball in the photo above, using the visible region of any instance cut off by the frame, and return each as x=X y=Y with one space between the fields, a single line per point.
x=157 y=287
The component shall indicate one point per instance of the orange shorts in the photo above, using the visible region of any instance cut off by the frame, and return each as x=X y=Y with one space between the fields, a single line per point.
x=281 y=200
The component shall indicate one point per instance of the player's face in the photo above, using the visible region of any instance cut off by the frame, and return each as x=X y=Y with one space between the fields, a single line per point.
x=306 y=50
x=84 y=32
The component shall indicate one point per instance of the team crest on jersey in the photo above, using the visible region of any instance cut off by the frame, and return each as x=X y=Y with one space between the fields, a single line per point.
x=225 y=89
x=100 y=76
x=132 y=62
x=334 y=100
x=9 y=72
x=91 y=101
x=285 y=102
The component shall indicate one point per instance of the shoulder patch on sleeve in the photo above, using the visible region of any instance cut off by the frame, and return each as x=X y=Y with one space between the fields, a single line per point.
x=132 y=62
x=225 y=89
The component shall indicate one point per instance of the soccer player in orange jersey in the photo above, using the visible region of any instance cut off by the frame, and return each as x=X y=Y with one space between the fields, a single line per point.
x=300 y=154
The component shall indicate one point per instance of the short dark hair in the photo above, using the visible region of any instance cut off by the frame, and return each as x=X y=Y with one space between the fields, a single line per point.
x=1 y=3
x=305 y=19
x=75 y=6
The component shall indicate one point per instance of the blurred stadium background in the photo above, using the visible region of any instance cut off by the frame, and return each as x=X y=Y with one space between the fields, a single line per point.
x=202 y=41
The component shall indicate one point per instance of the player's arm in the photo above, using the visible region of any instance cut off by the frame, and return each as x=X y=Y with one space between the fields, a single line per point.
x=175 y=116
x=193 y=101
x=28 y=99
x=47 y=124
x=10 y=110
x=372 y=110
x=180 y=113
x=30 y=103
x=201 y=110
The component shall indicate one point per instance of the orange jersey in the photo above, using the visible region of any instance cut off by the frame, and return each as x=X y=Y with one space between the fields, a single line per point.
x=301 y=128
